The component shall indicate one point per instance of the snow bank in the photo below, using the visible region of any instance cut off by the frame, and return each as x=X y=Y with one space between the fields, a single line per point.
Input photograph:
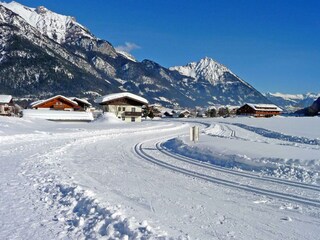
x=265 y=166
x=108 y=117
x=84 y=216
x=58 y=115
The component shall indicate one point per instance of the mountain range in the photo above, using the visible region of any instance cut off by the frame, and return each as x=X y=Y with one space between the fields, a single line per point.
x=292 y=102
x=312 y=110
x=43 y=53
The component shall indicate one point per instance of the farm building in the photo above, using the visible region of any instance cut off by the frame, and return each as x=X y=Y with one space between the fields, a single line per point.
x=60 y=108
x=60 y=102
x=125 y=106
x=184 y=114
x=7 y=107
x=259 y=110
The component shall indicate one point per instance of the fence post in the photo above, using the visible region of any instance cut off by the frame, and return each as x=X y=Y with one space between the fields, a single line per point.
x=194 y=133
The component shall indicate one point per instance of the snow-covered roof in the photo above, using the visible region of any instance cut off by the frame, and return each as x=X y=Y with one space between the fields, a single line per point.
x=58 y=115
x=5 y=98
x=264 y=107
x=113 y=96
x=184 y=111
x=75 y=99
x=36 y=103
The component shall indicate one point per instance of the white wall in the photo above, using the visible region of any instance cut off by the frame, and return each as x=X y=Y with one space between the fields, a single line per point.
x=123 y=108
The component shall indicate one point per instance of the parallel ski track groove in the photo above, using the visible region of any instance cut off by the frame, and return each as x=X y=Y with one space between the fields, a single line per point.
x=289 y=197
x=235 y=172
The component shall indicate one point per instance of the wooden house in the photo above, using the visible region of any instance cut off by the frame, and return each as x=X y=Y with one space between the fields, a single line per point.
x=125 y=106
x=259 y=110
x=7 y=106
x=60 y=108
x=184 y=114
x=58 y=102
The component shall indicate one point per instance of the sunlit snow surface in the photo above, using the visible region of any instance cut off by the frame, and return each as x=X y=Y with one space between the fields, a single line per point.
x=246 y=178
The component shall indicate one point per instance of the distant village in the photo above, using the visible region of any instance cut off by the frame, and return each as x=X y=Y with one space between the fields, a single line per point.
x=125 y=106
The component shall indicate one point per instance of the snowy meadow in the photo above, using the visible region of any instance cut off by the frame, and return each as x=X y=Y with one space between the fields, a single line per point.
x=246 y=178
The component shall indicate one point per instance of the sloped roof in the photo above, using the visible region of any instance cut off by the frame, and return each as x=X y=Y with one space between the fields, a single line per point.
x=264 y=107
x=36 y=103
x=75 y=99
x=114 y=96
x=5 y=98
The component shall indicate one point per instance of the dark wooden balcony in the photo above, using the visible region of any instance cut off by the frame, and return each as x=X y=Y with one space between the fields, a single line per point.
x=132 y=114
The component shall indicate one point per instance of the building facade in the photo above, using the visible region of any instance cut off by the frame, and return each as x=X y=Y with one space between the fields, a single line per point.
x=259 y=110
x=126 y=106
x=62 y=103
x=7 y=107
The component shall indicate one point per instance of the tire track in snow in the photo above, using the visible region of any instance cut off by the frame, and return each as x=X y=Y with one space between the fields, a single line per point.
x=138 y=149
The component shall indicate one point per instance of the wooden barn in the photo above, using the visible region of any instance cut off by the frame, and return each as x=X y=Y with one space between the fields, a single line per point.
x=125 y=106
x=60 y=108
x=7 y=106
x=60 y=102
x=259 y=110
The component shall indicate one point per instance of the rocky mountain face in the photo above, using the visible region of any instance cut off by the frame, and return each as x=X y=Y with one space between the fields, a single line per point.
x=292 y=102
x=43 y=53
x=33 y=64
x=312 y=110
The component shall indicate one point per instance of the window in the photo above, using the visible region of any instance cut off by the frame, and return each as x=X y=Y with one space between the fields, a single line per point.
x=119 y=108
x=133 y=119
x=133 y=109
x=124 y=109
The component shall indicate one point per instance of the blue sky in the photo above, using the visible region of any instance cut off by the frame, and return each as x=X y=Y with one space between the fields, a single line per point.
x=272 y=44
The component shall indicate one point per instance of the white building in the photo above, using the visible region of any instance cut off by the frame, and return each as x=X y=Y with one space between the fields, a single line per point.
x=7 y=107
x=125 y=106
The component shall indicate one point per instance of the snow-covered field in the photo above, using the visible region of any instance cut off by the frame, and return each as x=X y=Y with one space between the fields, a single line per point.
x=246 y=178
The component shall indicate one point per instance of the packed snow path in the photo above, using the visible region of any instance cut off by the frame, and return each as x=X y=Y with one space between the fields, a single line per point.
x=105 y=181
x=208 y=173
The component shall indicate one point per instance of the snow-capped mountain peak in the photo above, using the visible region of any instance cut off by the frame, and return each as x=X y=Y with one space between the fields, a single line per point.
x=55 y=26
x=206 y=68
x=224 y=86
x=127 y=55
x=92 y=66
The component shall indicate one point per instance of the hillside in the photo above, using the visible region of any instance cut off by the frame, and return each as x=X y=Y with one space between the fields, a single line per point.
x=312 y=110
x=45 y=53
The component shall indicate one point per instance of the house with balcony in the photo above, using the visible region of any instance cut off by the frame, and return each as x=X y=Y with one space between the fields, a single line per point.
x=126 y=106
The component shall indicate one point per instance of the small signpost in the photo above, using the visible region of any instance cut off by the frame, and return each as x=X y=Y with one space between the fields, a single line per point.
x=194 y=133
